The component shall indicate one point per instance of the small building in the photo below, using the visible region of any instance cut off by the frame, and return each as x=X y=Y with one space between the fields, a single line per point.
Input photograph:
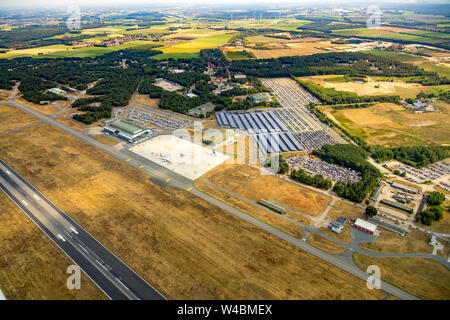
x=57 y=91
x=191 y=95
x=126 y=130
x=240 y=76
x=260 y=97
x=397 y=205
x=405 y=188
x=374 y=196
x=389 y=226
x=272 y=206
x=365 y=226
x=204 y=109
x=433 y=241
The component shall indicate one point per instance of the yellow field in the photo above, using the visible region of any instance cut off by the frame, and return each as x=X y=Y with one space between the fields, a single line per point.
x=325 y=244
x=145 y=99
x=11 y=118
x=392 y=125
x=249 y=183
x=185 y=247
x=35 y=51
x=296 y=49
x=32 y=266
x=424 y=278
x=47 y=109
x=371 y=87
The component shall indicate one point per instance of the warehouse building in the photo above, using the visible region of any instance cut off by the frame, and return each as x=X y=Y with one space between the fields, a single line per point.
x=397 y=205
x=126 y=130
x=272 y=206
x=260 y=97
x=388 y=225
x=365 y=226
x=374 y=196
x=204 y=109
x=405 y=188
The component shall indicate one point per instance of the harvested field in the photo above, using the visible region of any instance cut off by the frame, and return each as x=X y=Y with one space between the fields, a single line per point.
x=249 y=183
x=424 y=278
x=185 y=247
x=325 y=244
x=32 y=266
x=296 y=49
x=12 y=118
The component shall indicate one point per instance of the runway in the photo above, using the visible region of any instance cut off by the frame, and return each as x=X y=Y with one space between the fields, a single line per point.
x=107 y=271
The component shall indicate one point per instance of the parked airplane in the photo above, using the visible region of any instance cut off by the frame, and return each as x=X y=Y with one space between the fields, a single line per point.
x=164 y=159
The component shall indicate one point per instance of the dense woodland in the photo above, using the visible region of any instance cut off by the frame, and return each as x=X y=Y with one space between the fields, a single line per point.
x=415 y=156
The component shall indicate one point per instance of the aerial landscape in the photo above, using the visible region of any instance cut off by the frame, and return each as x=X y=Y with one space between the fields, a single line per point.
x=267 y=150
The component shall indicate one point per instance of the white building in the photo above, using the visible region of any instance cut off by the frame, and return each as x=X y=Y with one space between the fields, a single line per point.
x=365 y=226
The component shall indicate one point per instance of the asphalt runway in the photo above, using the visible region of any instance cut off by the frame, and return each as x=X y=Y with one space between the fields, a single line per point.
x=107 y=271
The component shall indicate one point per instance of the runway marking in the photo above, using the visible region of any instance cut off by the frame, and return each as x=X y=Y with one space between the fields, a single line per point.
x=128 y=159
x=7 y=171
x=61 y=237
x=36 y=197
x=25 y=203
x=168 y=179
x=140 y=167
x=189 y=189
x=76 y=232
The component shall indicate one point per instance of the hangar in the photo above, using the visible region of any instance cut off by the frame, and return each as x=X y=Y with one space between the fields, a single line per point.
x=126 y=130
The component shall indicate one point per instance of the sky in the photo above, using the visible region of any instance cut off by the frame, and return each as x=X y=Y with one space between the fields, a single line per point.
x=184 y=3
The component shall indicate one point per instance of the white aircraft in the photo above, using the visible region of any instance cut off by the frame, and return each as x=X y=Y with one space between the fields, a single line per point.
x=164 y=159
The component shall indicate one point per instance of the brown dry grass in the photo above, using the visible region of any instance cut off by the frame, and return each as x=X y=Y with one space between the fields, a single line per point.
x=12 y=118
x=249 y=183
x=105 y=140
x=325 y=244
x=424 y=278
x=47 y=109
x=389 y=242
x=145 y=99
x=251 y=210
x=391 y=125
x=185 y=247
x=31 y=265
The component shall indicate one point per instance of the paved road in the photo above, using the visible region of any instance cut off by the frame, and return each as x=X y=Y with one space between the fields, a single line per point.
x=173 y=179
x=110 y=274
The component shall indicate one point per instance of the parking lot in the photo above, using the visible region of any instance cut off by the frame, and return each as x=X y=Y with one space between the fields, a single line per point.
x=154 y=116
x=438 y=172
x=315 y=166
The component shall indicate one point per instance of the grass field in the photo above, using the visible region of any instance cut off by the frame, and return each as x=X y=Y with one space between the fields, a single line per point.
x=47 y=109
x=424 y=278
x=32 y=266
x=389 y=242
x=11 y=118
x=249 y=183
x=325 y=244
x=389 y=35
x=392 y=125
x=183 y=246
x=370 y=87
